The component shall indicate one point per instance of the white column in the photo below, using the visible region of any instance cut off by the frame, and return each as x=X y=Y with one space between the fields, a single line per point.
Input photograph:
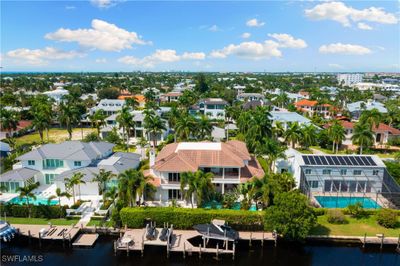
x=223 y=173
x=223 y=188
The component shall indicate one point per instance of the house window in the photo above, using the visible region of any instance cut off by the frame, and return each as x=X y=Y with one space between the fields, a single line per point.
x=308 y=171
x=357 y=172
x=77 y=163
x=313 y=184
x=174 y=194
x=326 y=171
x=49 y=178
x=343 y=171
x=31 y=162
x=174 y=177
x=375 y=172
x=52 y=163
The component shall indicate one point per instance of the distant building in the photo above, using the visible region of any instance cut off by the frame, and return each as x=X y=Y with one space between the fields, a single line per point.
x=141 y=100
x=313 y=107
x=250 y=97
x=56 y=94
x=363 y=86
x=356 y=108
x=172 y=96
x=109 y=106
x=349 y=79
x=286 y=118
x=213 y=108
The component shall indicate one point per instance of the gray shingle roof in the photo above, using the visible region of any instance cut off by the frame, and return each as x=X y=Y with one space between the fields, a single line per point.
x=69 y=150
x=20 y=174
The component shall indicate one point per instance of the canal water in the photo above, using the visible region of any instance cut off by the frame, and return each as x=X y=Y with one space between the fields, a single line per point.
x=19 y=252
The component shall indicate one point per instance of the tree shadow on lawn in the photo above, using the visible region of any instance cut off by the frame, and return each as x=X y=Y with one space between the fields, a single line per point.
x=320 y=230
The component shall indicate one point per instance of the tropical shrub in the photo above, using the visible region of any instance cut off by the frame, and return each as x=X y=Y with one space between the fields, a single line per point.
x=39 y=211
x=336 y=216
x=356 y=210
x=387 y=218
x=185 y=218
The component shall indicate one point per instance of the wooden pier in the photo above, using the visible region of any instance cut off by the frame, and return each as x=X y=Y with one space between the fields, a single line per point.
x=85 y=240
x=178 y=242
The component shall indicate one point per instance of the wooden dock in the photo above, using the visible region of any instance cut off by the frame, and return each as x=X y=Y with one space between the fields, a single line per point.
x=179 y=241
x=85 y=240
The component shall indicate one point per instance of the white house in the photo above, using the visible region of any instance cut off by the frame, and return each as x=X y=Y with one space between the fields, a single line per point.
x=213 y=108
x=56 y=94
x=109 y=106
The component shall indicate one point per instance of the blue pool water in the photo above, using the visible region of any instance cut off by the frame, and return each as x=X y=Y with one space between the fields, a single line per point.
x=343 y=202
x=39 y=200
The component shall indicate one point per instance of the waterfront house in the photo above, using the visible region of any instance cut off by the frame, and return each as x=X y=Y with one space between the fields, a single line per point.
x=230 y=163
x=343 y=177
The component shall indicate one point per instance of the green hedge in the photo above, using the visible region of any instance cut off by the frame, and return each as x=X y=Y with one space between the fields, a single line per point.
x=184 y=218
x=39 y=211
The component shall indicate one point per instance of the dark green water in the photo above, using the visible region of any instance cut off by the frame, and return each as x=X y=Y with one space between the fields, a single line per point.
x=285 y=254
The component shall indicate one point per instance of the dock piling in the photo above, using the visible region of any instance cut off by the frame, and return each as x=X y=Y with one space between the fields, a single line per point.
x=383 y=236
x=40 y=240
x=29 y=236
x=217 y=251
x=115 y=248
x=251 y=235
x=365 y=240
x=199 y=251
x=233 y=249
x=184 y=246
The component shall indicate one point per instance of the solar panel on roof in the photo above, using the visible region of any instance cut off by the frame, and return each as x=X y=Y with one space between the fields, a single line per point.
x=346 y=160
x=318 y=160
x=372 y=162
x=335 y=160
x=365 y=161
x=353 y=160
x=329 y=159
x=306 y=161
x=359 y=161
x=312 y=161
x=341 y=161
x=324 y=161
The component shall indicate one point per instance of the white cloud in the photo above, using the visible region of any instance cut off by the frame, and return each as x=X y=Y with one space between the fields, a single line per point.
x=256 y=50
x=246 y=35
x=103 y=36
x=160 y=56
x=214 y=28
x=288 y=41
x=340 y=48
x=249 y=50
x=335 y=66
x=343 y=14
x=104 y=3
x=254 y=23
x=363 y=26
x=101 y=60
x=40 y=56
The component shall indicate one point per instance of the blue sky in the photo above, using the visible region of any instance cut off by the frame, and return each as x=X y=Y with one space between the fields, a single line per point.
x=109 y=35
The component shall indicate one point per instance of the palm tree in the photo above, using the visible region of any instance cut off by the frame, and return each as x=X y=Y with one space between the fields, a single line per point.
x=154 y=125
x=125 y=120
x=69 y=115
x=42 y=113
x=132 y=102
x=278 y=129
x=26 y=192
x=363 y=135
x=204 y=127
x=372 y=117
x=9 y=120
x=133 y=185
x=112 y=194
x=308 y=133
x=98 y=119
x=261 y=189
x=197 y=184
x=292 y=134
x=58 y=195
x=272 y=149
x=337 y=133
x=184 y=126
x=75 y=180
x=101 y=178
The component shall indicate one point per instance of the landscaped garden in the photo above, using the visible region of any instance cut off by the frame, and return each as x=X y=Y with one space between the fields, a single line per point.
x=56 y=135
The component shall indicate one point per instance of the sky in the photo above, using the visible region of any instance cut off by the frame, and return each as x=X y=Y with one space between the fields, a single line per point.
x=271 y=36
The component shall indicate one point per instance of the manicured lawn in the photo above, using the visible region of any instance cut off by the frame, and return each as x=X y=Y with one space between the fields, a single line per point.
x=355 y=227
x=99 y=223
x=305 y=151
x=123 y=148
x=56 y=135
x=379 y=154
x=61 y=221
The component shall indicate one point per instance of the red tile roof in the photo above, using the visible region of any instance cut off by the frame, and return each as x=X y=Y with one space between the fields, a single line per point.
x=305 y=102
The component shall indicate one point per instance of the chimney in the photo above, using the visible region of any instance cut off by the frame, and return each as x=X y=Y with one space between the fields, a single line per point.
x=152 y=157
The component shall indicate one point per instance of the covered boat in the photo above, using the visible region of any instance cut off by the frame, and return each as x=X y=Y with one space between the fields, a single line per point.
x=217 y=229
x=7 y=232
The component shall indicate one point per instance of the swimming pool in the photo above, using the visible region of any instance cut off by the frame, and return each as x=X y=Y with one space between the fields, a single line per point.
x=38 y=201
x=343 y=202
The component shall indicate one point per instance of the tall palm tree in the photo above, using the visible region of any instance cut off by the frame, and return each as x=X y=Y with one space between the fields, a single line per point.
x=69 y=115
x=292 y=134
x=154 y=125
x=98 y=119
x=204 y=127
x=112 y=194
x=197 y=184
x=132 y=186
x=308 y=133
x=372 y=117
x=102 y=178
x=131 y=103
x=278 y=129
x=59 y=195
x=74 y=180
x=125 y=120
x=261 y=189
x=363 y=135
x=9 y=120
x=27 y=192
x=185 y=126
x=272 y=149
x=337 y=133
x=42 y=113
